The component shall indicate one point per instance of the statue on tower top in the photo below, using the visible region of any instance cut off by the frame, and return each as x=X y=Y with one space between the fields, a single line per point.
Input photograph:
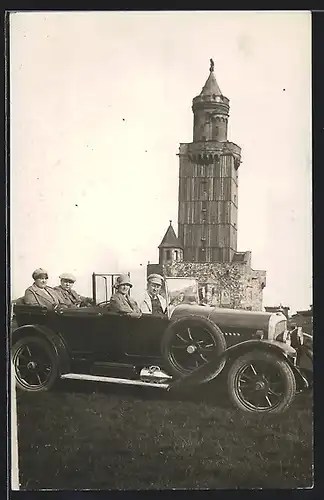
x=211 y=65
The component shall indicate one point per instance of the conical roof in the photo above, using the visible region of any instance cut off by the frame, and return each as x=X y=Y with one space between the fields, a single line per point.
x=211 y=86
x=170 y=239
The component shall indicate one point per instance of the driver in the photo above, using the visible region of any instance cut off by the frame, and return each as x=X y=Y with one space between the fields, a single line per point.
x=67 y=295
x=153 y=302
x=121 y=301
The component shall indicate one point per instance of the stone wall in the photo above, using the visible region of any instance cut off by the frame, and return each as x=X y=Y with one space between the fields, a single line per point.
x=233 y=285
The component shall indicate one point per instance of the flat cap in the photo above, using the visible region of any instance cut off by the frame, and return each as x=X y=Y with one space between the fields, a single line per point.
x=38 y=273
x=67 y=276
x=155 y=278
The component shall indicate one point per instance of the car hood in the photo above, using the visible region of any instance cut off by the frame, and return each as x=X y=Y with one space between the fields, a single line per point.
x=225 y=318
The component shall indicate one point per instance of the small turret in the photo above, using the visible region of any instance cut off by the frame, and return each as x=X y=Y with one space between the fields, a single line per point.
x=170 y=248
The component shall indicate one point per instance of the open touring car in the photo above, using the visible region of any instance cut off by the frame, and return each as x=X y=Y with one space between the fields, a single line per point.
x=264 y=363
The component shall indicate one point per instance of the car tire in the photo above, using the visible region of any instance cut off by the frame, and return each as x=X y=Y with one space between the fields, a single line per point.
x=261 y=382
x=35 y=363
x=206 y=337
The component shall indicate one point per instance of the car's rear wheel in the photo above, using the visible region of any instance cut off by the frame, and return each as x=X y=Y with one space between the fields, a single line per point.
x=35 y=364
x=261 y=382
x=191 y=342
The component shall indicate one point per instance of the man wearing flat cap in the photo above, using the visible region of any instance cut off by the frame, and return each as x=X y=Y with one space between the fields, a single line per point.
x=68 y=296
x=121 y=301
x=39 y=294
x=154 y=302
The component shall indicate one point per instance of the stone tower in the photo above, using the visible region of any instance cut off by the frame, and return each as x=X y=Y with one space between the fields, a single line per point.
x=206 y=247
x=208 y=181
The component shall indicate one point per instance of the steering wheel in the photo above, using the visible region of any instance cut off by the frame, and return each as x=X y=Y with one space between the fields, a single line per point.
x=104 y=303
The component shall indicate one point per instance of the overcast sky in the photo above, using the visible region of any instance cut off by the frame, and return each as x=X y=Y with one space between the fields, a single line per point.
x=99 y=104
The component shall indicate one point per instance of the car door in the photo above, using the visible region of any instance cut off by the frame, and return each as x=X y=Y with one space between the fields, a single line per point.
x=92 y=330
x=142 y=336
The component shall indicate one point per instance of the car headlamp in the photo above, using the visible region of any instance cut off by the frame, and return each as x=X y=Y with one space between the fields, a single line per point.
x=297 y=337
x=285 y=337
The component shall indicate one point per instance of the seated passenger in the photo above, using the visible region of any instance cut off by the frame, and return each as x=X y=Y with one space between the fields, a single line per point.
x=39 y=294
x=121 y=301
x=153 y=302
x=67 y=295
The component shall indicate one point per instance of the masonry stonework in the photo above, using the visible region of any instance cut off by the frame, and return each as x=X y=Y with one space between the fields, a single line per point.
x=222 y=284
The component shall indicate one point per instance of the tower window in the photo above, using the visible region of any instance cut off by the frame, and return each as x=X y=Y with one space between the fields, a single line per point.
x=215 y=130
x=176 y=254
x=204 y=187
x=202 y=255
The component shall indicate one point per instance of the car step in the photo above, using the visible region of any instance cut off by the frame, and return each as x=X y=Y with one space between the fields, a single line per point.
x=112 y=380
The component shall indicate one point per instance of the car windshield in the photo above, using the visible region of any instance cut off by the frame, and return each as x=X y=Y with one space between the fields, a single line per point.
x=102 y=286
x=182 y=291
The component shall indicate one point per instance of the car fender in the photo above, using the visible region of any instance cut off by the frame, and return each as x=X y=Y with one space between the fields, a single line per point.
x=281 y=349
x=52 y=337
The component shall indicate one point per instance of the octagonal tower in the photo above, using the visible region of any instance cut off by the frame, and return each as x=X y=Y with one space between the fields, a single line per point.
x=208 y=181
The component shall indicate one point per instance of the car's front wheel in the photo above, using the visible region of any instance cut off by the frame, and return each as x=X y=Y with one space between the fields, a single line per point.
x=261 y=382
x=35 y=364
x=191 y=342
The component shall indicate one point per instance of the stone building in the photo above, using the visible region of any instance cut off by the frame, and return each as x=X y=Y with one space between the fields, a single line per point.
x=206 y=246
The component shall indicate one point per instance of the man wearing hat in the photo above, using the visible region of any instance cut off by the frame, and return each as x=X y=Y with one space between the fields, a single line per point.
x=67 y=295
x=39 y=294
x=153 y=302
x=121 y=301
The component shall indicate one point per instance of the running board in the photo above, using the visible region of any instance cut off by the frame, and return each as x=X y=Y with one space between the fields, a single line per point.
x=113 y=380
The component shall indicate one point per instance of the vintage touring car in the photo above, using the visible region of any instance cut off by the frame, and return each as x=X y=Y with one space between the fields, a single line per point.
x=265 y=364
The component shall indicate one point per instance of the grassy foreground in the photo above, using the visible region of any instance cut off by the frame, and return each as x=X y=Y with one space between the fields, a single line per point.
x=136 y=438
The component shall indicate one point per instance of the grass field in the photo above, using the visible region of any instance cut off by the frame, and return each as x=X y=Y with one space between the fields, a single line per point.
x=136 y=438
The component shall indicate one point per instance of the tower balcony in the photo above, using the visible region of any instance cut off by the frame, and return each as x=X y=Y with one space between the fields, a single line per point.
x=210 y=151
x=211 y=100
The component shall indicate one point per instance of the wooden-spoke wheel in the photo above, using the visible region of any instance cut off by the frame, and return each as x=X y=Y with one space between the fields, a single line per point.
x=35 y=364
x=191 y=342
x=260 y=382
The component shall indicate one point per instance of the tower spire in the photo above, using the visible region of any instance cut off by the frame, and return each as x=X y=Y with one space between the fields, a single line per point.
x=211 y=86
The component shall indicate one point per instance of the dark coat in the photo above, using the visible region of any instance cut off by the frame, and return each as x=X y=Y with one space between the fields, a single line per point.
x=71 y=298
x=124 y=304
x=146 y=304
x=46 y=297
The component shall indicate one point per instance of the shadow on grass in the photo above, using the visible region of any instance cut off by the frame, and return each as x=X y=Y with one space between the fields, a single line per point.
x=209 y=394
x=213 y=394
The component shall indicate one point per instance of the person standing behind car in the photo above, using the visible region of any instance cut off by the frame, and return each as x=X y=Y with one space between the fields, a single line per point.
x=69 y=296
x=154 y=303
x=121 y=301
x=39 y=294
